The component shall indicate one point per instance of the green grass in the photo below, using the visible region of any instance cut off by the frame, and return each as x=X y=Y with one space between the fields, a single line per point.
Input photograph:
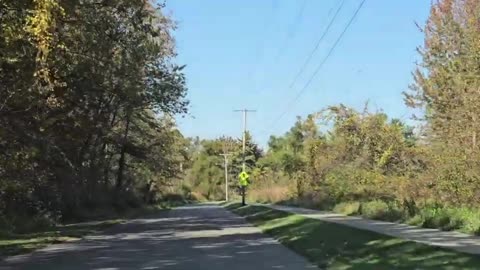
x=446 y=218
x=333 y=246
x=15 y=243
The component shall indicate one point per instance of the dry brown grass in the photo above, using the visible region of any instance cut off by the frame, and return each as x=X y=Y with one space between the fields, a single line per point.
x=196 y=196
x=269 y=194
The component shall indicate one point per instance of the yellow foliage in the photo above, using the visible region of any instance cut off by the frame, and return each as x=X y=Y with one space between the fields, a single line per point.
x=41 y=26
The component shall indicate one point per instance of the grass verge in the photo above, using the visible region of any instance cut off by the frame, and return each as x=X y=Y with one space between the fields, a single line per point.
x=333 y=246
x=427 y=215
x=16 y=243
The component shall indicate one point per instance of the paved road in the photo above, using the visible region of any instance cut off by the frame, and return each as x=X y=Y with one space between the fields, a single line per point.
x=187 y=238
x=453 y=240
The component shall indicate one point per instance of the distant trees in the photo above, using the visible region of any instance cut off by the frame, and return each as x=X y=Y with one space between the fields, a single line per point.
x=367 y=156
x=206 y=176
x=86 y=93
x=358 y=150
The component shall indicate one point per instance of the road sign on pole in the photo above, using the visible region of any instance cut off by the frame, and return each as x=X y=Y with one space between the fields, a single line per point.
x=243 y=178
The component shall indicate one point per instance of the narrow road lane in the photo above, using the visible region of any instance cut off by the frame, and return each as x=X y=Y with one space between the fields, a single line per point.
x=187 y=238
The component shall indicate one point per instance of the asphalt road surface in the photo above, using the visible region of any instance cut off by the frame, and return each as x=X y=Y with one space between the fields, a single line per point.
x=189 y=238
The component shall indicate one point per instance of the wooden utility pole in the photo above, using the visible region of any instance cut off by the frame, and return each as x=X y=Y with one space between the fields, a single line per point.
x=226 y=174
x=245 y=112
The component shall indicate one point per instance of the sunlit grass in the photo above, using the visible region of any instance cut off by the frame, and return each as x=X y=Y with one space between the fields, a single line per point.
x=333 y=246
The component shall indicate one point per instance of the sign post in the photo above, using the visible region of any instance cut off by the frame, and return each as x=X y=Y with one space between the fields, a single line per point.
x=243 y=181
x=243 y=187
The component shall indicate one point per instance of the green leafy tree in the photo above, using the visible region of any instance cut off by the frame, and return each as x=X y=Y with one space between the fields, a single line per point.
x=446 y=89
x=86 y=90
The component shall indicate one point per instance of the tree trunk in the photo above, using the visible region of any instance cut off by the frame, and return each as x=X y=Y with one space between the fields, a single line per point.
x=121 y=160
x=106 y=156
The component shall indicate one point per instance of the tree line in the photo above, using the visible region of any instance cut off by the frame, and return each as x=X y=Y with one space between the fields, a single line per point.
x=88 y=94
x=366 y=163
x=363 y=162
x=205 y=174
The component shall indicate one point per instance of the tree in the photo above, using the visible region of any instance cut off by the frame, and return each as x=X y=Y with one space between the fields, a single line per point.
x=206 y=176
x=87 y=90
x=290 y=152
x=447 y=83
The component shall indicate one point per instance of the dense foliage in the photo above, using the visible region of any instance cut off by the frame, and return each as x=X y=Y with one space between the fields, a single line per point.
x=362 y=162
x=87 y=90
x=206 y=176
x=360 y=156
x=447 y=88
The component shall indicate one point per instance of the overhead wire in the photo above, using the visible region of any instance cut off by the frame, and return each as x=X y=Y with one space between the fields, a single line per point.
x=320 y=66
x=317 y=44
x=292 y=31
x=290 y=35
x=261 y=44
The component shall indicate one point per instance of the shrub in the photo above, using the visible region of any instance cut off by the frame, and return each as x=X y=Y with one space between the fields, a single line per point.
x=25 y=224
x=316 y=200
x=416 y=220
x=436 y=217
x=410 y=207
x=374 y=209
x=471 y=222
x=347 y=208
x=196 y=197
x=272 y=194
x=171 y=197
x=464 y=219
x=382 y=211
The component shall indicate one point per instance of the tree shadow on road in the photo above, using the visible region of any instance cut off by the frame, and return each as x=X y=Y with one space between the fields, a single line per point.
x=181 y=239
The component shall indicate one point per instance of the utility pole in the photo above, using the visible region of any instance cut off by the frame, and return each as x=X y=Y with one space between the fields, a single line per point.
x=226 y=174
x=245 y=112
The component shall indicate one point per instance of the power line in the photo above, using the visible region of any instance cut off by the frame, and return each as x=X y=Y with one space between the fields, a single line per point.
x=330 y=52
x=290 y=35
x=260 y=48
x=317 y=45
x=292 y=31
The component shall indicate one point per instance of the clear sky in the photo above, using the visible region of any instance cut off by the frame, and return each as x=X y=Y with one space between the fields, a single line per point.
x=246 y=53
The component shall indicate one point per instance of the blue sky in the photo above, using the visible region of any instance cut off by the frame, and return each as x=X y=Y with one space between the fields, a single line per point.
x=245 y=54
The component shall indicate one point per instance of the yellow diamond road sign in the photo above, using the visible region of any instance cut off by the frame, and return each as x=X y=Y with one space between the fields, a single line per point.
x=243 y=178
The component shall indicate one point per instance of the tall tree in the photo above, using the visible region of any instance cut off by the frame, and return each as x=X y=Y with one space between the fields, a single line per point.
x=85 y=87
x=447 y=87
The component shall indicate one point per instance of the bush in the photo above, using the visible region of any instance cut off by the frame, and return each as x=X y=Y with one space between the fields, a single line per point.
x=25 y=224
x=196 y=197
x=315 y=200
x=172 y=197
x=348 y=208
x=470 y=219
x=416 y=220
x=374 y=209
x=272 y=194
x=463 y=219
x=382 y=211
x=410 y=207
x=436 y=217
